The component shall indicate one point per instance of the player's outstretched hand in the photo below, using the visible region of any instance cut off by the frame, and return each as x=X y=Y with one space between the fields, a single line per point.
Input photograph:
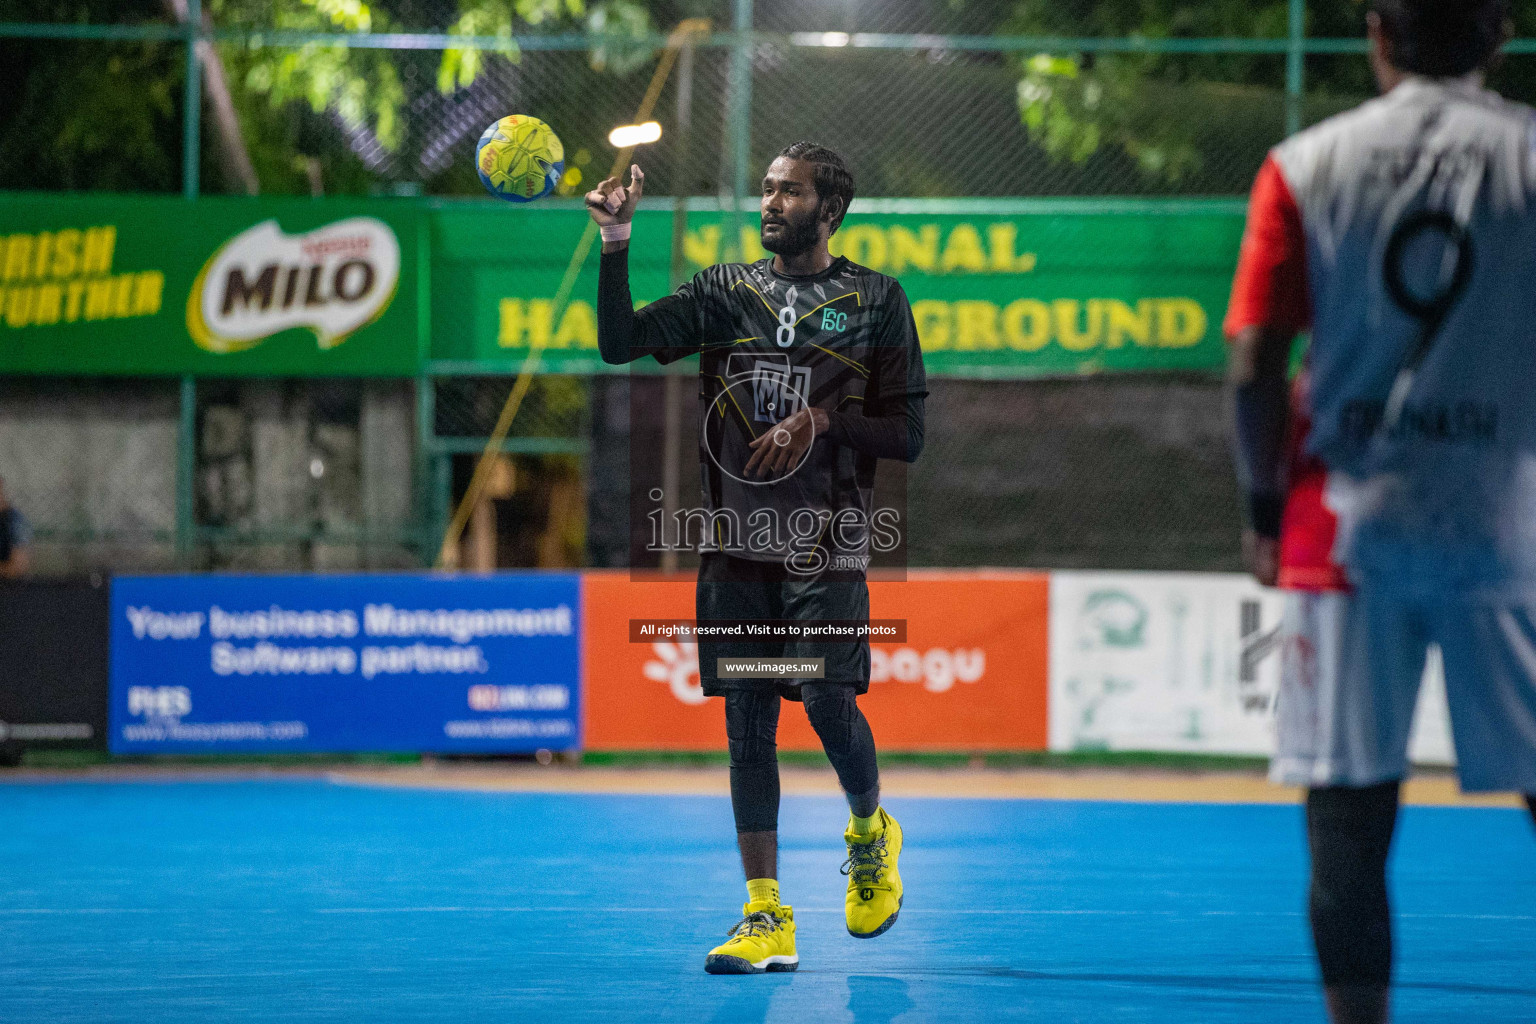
x=782 y=447
x=614 y=203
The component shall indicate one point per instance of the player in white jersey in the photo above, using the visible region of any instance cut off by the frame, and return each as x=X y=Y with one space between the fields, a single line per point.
x=1392 y=490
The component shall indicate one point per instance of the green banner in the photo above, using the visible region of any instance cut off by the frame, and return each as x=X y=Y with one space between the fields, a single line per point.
x=225 y=287
x=218 y=287
x=1000 y=288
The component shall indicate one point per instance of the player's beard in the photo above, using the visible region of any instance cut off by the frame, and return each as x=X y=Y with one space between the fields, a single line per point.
x=795 y=238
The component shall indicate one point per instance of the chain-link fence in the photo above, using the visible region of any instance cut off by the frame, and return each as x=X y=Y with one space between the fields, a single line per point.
x=927 y=98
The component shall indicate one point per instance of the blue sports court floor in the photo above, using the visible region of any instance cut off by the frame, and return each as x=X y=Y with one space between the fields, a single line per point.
x=312 y=901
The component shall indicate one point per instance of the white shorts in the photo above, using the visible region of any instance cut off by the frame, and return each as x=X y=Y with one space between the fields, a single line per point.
x=1350 y=669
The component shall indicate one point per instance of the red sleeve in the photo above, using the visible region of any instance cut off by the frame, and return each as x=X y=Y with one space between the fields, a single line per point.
x=1270 y=289
x=1308 y=527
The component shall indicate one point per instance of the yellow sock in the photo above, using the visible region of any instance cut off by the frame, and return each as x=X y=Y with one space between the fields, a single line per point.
x=867 y=826
x=763 y=890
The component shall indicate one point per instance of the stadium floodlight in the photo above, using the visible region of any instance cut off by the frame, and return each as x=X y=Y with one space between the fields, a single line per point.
x=627 y=135
x=835 y=39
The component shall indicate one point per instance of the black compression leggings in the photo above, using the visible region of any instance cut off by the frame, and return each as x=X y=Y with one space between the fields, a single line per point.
x=752 y=725
x=1349 y=831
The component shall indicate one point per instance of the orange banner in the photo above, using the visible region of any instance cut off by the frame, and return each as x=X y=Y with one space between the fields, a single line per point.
x=971 y=675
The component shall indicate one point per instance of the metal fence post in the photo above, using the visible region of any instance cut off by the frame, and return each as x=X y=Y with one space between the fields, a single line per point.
x=1295 y=66
x=426 y=476
x=424 y=464
x=186 y=470
x=672 y=402
x=738 y=113
x=441 y=465
x=192 y=103
x=186 y=432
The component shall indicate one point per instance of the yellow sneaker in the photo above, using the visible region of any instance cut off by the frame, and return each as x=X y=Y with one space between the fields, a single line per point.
x=763 y=940
x=874 y=884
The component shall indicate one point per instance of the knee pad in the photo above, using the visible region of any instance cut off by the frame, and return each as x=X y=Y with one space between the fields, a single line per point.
x=1349 y=831
x=832 y=711
x=752 y=727
x=844 y=732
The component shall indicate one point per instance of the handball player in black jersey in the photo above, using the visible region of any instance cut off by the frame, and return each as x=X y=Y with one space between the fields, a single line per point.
x=810 y=372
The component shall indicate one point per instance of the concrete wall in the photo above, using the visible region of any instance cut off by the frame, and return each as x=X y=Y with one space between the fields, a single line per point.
x=1106 y=473
x=280 y=457
x=1124 y=473
x=92 y=459
x=92 y=464
x=1109 y=473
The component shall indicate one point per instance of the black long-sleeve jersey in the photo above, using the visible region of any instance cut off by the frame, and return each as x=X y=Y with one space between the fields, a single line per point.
x=769 y=345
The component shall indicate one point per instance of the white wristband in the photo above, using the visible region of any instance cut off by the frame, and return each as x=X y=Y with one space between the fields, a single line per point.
x=616 y=232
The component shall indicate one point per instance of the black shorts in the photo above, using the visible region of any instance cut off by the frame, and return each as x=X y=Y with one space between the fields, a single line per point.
x=735 y=588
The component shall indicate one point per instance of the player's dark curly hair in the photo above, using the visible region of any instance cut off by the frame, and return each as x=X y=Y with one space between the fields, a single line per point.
x=832 y=175
x=1443 y=38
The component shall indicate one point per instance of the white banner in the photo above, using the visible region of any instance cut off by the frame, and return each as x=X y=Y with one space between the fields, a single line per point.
x=1182 y=662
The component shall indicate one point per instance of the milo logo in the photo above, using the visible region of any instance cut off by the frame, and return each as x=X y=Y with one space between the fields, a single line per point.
x=332 y=280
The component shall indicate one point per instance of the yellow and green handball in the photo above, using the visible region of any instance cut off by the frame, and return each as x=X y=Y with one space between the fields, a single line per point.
x=520 y=158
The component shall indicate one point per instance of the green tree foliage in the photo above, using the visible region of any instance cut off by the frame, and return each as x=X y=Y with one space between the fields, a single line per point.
x=367 y=89
x=1175 y=115
x=81 y=115
x=93 y=115
x=364 y=86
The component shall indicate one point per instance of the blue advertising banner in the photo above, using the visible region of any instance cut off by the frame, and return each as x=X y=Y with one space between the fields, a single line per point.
x=461 y=664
